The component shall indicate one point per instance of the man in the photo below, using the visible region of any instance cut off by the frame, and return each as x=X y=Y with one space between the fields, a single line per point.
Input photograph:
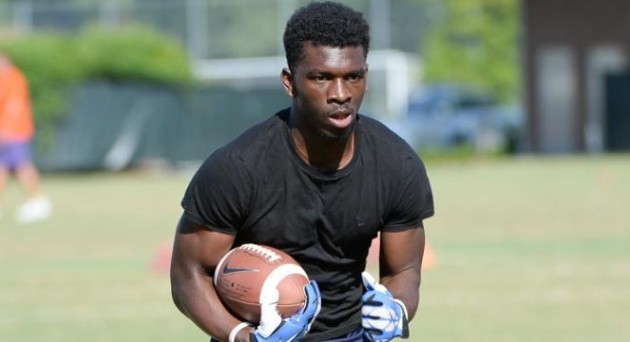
x=319 y=181
x=16 y=133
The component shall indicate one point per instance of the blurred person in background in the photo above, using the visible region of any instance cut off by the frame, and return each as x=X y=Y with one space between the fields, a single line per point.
x=319 y=181
x=16 y=134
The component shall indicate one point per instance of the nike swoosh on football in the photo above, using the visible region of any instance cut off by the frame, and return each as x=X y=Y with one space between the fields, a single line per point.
x=227 y=270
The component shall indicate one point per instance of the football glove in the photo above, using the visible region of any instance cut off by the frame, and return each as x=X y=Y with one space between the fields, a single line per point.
x=273 y=328
x=384 y=317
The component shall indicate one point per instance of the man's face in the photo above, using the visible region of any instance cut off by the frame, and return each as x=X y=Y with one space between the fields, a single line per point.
x=327 y=87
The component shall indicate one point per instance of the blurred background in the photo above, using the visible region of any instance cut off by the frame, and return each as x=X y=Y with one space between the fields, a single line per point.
x=519 y=108
x=176 y=79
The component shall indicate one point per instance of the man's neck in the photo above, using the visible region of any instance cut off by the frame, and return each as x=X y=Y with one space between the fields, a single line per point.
x=322 y=153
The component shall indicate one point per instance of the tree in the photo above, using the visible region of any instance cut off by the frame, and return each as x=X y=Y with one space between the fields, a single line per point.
x=475 y=43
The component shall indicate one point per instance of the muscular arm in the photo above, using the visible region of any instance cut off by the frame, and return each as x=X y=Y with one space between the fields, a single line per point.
x=196 y=253
x=400 y=265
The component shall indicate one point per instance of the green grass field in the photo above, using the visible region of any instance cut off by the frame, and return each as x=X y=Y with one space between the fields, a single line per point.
x=528 y=249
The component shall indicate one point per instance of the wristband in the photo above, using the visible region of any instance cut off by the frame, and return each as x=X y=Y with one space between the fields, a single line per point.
x=237 y=329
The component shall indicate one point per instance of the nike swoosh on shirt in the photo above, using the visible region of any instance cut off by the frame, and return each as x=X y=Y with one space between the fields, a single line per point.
x=227 y=270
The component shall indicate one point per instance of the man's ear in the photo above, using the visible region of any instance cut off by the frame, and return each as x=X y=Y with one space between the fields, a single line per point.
x=288 y=82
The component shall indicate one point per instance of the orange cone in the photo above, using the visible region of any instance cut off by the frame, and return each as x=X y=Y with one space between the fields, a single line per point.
x=161 y=262
x=428 y=259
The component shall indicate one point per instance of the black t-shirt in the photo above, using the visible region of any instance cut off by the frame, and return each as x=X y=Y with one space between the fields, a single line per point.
x=258 y=189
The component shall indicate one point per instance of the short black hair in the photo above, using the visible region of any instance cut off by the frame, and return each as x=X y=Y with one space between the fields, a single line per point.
x=324 y=24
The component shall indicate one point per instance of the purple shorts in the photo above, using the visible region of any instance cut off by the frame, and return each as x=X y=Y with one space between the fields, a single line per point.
x=14 y=154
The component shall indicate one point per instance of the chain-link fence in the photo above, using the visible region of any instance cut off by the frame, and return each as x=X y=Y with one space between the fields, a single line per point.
x=215 y=28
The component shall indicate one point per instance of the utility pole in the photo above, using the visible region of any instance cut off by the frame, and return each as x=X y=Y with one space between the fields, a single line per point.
x=380 y=22
x=197 y=28
x=23 y=16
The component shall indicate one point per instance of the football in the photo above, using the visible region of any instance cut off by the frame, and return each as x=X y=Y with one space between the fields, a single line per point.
x=251 y=273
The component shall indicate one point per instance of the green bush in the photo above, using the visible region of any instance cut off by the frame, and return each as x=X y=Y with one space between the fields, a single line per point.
x=54 y=63
x=132 y=54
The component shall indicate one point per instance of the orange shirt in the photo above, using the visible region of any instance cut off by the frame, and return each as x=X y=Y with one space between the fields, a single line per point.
x=16 y=121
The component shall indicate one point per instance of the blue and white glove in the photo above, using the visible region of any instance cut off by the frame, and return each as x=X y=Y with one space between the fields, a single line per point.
x=273 y=328
x=384 y=317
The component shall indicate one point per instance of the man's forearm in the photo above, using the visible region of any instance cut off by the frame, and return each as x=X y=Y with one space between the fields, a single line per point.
x=196 y=298
x=405 y=287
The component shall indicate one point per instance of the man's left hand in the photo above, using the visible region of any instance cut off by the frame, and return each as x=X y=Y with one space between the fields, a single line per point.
x=384 y=317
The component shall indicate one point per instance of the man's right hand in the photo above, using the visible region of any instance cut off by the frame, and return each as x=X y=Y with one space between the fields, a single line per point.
x=273 y=328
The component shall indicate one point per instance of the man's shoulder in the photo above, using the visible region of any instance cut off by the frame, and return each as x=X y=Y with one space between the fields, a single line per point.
x=251 y=143
x=379 y=136
x=373 y=126
x=260 y=132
